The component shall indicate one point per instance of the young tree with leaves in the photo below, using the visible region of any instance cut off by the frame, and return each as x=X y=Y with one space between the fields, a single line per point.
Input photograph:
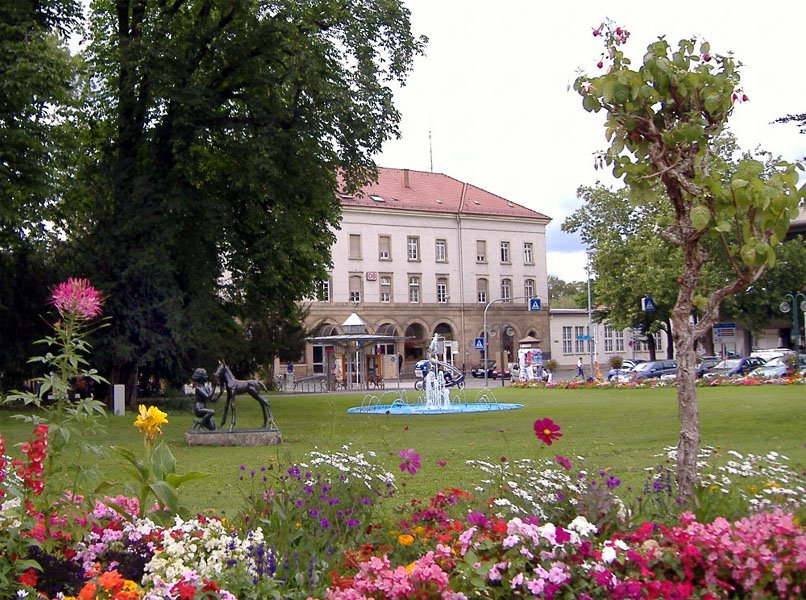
x=662 y=120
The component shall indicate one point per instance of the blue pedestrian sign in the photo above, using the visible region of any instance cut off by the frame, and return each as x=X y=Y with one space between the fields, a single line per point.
x=478 y=343
x=647 y=304
x=534 y=304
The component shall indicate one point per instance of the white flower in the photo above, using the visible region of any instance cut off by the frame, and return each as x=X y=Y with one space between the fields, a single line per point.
x=582 y=526
x=608 y=554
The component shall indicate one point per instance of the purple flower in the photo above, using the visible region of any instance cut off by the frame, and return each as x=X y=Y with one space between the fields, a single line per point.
x=477 y=519
x=410 y=461
x=324 y=523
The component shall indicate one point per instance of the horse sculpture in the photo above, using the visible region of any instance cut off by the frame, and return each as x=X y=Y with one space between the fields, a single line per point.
x=240 y=386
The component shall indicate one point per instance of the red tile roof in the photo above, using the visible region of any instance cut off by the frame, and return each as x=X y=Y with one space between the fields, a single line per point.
x=434 y=192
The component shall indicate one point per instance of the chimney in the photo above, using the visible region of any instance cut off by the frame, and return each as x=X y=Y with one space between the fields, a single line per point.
x=406 y=178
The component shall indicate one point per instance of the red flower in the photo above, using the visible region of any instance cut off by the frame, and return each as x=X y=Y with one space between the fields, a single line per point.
x=547 y=430
x=28 y=578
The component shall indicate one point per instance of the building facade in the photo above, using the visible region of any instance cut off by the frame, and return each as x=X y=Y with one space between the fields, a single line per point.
x=420 y=253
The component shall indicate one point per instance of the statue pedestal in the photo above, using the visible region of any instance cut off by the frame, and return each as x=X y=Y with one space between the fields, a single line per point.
x=236 y=437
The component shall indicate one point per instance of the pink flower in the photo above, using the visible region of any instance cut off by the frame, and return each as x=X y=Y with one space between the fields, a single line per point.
x=563 y=462
x=410 y=461
x=77 y=298
x=547 y=431
x=441 y=463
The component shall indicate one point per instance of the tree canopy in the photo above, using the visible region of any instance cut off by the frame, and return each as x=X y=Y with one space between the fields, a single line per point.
x=213 y=135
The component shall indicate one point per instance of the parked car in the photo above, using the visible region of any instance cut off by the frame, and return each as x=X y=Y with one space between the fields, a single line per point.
x=628 y=364
x=501 y=373
x=479 y=371
x=769 y=354
x=734 y=366
x=779 y=367
x=706 y=364
x=652 y=369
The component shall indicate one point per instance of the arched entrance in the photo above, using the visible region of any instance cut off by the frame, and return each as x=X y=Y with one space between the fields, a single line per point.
x=414 y=345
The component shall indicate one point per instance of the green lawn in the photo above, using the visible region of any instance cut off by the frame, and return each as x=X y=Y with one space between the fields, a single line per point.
x=622 y=430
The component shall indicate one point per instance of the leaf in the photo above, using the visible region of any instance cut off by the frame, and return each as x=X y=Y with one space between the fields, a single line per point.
x=700 y=217
x=176 y=480
x=166 y=495
x=163 y=462
x=591 y=103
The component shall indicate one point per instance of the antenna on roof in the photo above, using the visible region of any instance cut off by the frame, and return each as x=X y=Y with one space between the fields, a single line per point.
x=430 y=151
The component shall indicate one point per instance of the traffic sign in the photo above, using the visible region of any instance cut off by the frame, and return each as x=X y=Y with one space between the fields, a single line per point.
x=583 y=338
x=647 y=304
x=534 y=304
x=478 y=343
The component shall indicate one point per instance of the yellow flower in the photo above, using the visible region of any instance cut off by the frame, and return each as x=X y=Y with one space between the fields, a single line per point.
x=405 y=539
x=149 y=421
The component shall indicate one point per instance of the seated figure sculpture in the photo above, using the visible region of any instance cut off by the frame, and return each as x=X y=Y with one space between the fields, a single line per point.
x=204 y=394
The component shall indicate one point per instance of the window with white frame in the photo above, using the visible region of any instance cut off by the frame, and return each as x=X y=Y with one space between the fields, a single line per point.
x=618 y=336
x=441 y=251
x=613 y=339
x=506 y=290
x=568 y=340
x=384 y=247
x=579 y=342
x=355 y=288
x=529 y=288
x=505 y=252
x=482 y=287
x=324 y=291
x=528 y=255
x=413 y=247
x=442 y=290
x=355 y=246
x=414 y=289
x=481 y=251
x=385 y=286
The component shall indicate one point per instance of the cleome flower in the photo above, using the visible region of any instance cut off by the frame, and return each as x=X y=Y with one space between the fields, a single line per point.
x=77 y=298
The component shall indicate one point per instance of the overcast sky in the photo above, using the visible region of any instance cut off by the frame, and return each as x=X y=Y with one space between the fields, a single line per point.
x=493 y=91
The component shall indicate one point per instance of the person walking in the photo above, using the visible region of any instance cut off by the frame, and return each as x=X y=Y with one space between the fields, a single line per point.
x=580 y=370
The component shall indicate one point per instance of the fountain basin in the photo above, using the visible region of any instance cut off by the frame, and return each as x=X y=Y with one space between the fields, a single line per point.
x=401 y=408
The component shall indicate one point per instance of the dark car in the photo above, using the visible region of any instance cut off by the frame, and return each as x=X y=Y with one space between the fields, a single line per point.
x=627 y=365
x=479 y=371
x=652 y=369
x=706 y=364
x=734 y=366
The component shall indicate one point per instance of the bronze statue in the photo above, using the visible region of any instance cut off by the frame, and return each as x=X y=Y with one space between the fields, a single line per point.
x=204 y=394
x=239 y=386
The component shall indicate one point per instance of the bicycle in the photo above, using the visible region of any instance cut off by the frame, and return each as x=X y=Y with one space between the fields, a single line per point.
x=375 y=383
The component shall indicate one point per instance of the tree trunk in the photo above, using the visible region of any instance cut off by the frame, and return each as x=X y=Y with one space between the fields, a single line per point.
x=688 y=443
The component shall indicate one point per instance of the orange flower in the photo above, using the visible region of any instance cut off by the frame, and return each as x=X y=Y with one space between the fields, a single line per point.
x=111 y=581
x=87 y=592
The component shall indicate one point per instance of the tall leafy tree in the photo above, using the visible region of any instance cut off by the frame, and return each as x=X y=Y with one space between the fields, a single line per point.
x=631 y=258
x=223 y=126
x=566 y=294
x=35 y=98
x=662 y=120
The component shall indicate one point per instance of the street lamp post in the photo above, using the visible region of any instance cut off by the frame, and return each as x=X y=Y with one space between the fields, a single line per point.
x=591 y=336
x=794 y=301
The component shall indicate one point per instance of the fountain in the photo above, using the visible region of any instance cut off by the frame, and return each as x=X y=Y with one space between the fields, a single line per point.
x=439 y=379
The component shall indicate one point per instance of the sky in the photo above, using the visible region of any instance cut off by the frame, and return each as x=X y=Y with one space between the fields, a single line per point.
x=489 y=103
